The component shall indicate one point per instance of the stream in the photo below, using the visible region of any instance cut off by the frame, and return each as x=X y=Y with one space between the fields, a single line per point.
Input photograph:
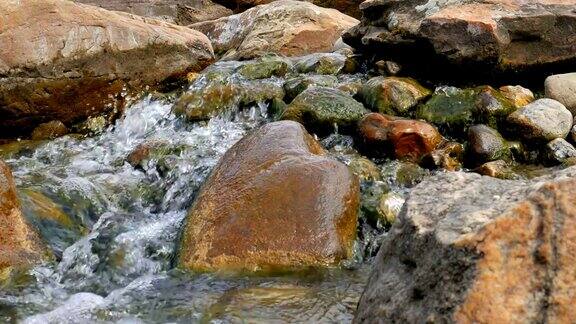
x=114 y=259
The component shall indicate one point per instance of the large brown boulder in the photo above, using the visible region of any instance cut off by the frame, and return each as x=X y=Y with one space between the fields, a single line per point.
x=286 y=27
x=274 y=201
x=181 y=12
x=503 y=34
x=20 y=245
x=65 y=61
x=474 y=249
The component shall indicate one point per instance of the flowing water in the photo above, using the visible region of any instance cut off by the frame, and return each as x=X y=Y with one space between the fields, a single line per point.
x=114 y=231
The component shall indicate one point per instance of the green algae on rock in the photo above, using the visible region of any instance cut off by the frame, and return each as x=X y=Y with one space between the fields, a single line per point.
x=322 y=109
x=392 y=95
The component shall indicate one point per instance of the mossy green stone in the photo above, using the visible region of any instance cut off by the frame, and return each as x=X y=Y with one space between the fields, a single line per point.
x=295 y=86
x=264 y=68
x=451 y=110
x=320 y=109
x=392 y=95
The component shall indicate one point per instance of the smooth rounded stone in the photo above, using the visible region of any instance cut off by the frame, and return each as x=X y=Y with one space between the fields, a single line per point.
x=275 y=201
x=492 y=106
x=286 y=27
x=559 y=150
x=392 y=95
x=472 y=249
x=518 y=95
x=49 y=130
x=407 y=139
x=181 y=12
x=497 y=169
x=542 y=120
x=265 y=67
x=295 y=86
x=389 y=207
x=486 y=144
x=364 y=169
x=67 y=61
x=321 y=63
x=20 y=244
x=323 y=109
x=447 y=156
x=562 y=88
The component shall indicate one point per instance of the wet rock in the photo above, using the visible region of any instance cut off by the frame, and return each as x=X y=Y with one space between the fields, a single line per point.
x=447 y=156
x=492 y=107
x=20 y=245
x=321 y=63
x=505 y=35
x=56 y=227
x=265 y=67
x=349 y=7
x=294 y=86
x=239 y=221
x=49 y=130
x=392 y=95
x=518 y=95
x=486 y=145
x=451 y=109
x=181 y=12
x=388 y=67
x=67 y=61
x=321 y=109
x=497 y=169
x=407 y=139
x=542 y=120
x=389 y=208
x=147 y=151
x=364 y=169
x=286 y=27
x=562 y=88
x=214 y=93
x=559 y=150
x=462 y=240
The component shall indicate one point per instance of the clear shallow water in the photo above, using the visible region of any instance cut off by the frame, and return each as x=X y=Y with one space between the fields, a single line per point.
x=117 y=263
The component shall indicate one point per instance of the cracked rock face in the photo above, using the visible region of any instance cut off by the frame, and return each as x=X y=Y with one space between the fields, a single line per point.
x=287 y=27
x=475 y=249
x=505 y=34
x=65 y=61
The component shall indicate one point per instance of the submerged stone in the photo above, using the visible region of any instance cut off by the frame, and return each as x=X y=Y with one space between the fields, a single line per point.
x=49 y=130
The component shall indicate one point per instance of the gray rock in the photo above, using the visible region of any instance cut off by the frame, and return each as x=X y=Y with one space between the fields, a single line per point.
x=486 y=144
x=559 y=150
x=474 y=249
x=562 y=87
x=543 y=119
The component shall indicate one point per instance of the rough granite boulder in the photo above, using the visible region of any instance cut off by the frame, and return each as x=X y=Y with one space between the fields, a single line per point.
x=287 y=27
x=473 y=249
x=64 y=61
x=180 y=12
x=20 y=245
x=501 y=34
x=349 y=7
x=275 y=201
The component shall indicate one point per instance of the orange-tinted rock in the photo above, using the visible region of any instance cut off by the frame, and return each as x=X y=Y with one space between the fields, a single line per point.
x=287 y=27
x=275 y=201
x=20 y=245
x=408 y=139
x=473 y=249
x=507 y=35
x=64 y=61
